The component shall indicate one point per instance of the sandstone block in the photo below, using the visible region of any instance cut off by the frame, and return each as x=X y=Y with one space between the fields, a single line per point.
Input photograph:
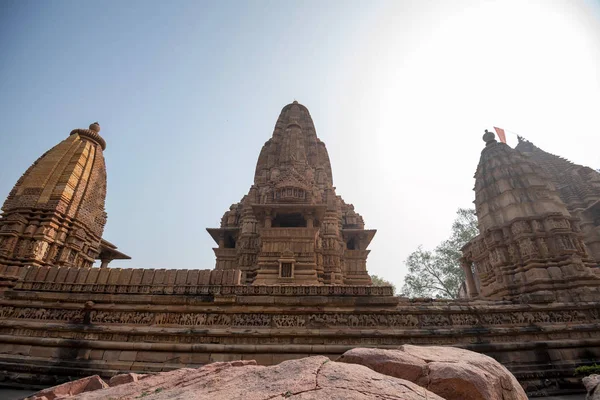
x=96 y=354
x=128 y=356
x=152 y=356
x=45 y=352
x=224 y=357
x=111 y=355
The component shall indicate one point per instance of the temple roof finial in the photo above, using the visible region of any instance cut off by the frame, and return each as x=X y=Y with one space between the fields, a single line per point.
x=489 y=137
x=92 y=133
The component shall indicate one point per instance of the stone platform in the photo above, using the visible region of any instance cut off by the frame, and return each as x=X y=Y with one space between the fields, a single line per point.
x=80 y=322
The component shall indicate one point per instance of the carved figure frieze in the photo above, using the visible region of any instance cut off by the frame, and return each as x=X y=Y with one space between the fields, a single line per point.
x=310 y=320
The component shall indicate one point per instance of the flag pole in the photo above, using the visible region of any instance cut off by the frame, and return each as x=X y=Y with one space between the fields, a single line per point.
x=519 y=136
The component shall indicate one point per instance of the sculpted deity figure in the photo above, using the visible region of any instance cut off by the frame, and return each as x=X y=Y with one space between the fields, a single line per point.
x=310 y=177
x=351 y=218
x=274 y=174
x=232 y=215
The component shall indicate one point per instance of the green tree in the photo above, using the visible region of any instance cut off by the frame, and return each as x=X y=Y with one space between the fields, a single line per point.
x=438 y=273
x=377 y=281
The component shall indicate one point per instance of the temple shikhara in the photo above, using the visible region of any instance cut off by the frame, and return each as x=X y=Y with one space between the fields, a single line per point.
x=291 y=227
x=531 y=245
x=54 y=216
x=290 y=276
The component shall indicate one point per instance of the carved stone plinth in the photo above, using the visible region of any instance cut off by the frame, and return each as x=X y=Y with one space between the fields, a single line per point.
x=58 y=323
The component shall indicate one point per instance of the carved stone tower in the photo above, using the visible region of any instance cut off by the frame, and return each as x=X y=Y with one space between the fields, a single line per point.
x=55 y=214
x=577 y=186
x=529 y=248
x=292 y=227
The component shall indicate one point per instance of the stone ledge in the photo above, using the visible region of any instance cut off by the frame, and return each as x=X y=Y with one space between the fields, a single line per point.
x=184 y=289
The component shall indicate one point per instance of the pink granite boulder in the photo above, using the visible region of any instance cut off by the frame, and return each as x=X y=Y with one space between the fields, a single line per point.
x=311 y=378
x=69 y=389
x=452 y=373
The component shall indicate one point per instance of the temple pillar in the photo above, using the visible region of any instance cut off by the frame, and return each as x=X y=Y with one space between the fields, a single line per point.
x=310 y=220
x=104 y=263
x=471 y=287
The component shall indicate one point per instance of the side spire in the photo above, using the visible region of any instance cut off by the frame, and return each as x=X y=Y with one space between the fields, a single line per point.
x=529 y=248
x=55 y=213
x=578 y=187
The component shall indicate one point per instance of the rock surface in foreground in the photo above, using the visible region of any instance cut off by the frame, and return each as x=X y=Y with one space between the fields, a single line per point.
x=452 y=373
x=592 y=385
x=407 y=373
x=312 y=378
x=68 y=389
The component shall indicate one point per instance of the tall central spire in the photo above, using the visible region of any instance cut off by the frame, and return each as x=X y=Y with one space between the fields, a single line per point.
x=294 y=145
x=292 y=228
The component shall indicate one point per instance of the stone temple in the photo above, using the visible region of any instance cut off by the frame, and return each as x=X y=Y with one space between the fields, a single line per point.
x=55 y=213
x=291 y=227
x=290 y=277
x=531 y=246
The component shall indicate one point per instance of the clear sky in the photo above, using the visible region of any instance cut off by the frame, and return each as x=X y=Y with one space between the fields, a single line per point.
x=187 y=92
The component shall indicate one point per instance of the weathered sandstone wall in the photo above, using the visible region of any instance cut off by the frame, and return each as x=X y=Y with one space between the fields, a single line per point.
x=65 y=325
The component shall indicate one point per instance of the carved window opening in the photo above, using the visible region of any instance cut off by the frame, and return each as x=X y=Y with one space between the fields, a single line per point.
x=286 y=270
x=229 y=241
x=294 y=220
x=351 y=245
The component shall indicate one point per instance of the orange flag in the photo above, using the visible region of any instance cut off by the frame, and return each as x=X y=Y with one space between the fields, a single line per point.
x=501 y=134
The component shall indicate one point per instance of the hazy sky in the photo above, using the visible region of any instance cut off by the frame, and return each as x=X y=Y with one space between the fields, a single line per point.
x=187 y=92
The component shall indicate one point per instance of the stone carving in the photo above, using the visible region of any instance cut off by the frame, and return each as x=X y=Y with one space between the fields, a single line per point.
x=289 y=321
x=333 y=320
x=533 y=245
x=520 y=227
x=577 y=186
x=538 y=237
x=43 y=205
x=181 y=338
x=40 y=314
x=285 y=193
